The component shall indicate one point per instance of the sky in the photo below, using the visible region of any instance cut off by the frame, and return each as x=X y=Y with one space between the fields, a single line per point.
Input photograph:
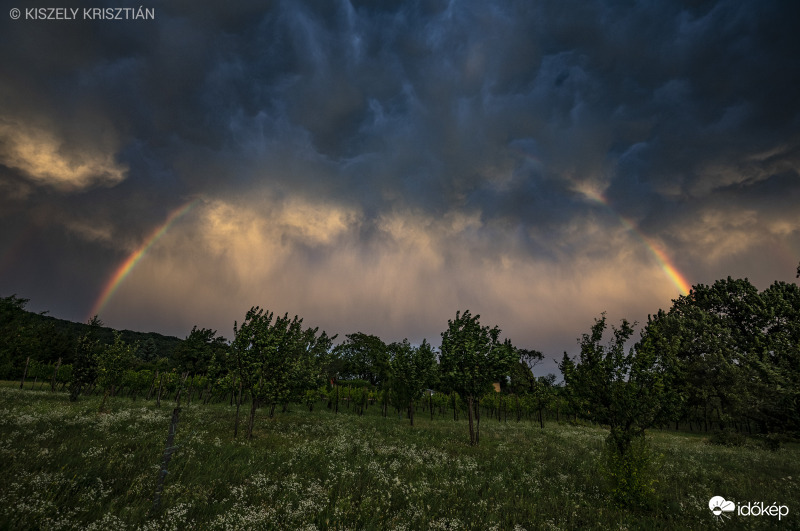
x=378 y=166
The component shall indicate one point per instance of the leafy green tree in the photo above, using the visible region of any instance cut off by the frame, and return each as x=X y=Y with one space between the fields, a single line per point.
x=535 y=392
x=112 y=362
x=19 y=339
x=311 y=350
x=627 y=391
x=84 y=366
x=275 y=357
x=365 y=357
x=148 y=351
x=737 y=351
x=777 y=369
x=520 y=377
x=413 y=370
x=194 y=354
x=472 y=359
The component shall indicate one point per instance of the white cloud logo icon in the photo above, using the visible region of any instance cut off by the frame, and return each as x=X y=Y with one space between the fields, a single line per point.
x=719 y=505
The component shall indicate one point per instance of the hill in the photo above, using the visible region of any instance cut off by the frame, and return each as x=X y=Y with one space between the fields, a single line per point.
x=45 y=338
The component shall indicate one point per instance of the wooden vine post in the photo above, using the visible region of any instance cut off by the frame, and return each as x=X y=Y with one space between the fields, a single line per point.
x=169 y=449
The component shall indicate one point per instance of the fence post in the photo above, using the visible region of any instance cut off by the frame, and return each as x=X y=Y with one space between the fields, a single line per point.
x=25 y=374
x=169 y=449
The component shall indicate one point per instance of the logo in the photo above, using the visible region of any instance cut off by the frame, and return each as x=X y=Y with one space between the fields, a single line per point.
x=719 y=506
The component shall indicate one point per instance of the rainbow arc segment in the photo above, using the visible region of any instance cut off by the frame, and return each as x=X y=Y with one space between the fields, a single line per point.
x=662 y=259
x=130 y=263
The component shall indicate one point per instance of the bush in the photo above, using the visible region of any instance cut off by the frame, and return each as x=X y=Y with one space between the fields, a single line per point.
x=629 y=472
x=770 y=441
x=728 y=438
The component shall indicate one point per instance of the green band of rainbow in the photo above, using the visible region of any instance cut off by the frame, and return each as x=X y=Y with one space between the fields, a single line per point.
x=671 y=271
x=127 y=266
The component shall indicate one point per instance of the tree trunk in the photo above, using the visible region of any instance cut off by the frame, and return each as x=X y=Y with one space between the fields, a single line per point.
x=253 y=405
x=160 y=387
x=477 y=422
x=152 y=386
x=430 y=403
x=238 y=404
x=103 y=403
x=25 y=373
x=472 y=441
x=411 y=411
x=53 y=381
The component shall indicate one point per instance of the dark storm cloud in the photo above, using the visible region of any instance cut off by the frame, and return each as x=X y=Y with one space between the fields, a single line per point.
x=437 y=93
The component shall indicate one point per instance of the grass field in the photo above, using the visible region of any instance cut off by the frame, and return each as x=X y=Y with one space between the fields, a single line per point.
x=66 y=466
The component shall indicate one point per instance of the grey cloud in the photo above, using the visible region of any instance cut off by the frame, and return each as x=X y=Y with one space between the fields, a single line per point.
x=500 y=111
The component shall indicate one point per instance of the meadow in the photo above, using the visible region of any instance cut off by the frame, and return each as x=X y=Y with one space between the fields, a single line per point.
x=64 y=465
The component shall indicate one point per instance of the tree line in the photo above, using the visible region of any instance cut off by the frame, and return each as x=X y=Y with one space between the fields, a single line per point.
x=725 y=355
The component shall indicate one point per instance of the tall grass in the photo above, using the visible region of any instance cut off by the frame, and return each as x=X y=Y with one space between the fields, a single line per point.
x=66 y=466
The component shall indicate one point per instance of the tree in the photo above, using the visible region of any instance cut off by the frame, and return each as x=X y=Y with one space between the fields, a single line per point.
x=778 y=368
x=112 y=361
x=194 y=354
x=412 y=371
x=19 y=339
x=275 y=357
x=472 y=359
x=311 y=350
x=84 y=367
x=627 y=391
x=148 y=351
x=365 y=357
x=737 y=352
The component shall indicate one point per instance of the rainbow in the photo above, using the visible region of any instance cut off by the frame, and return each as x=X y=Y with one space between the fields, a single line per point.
x=663 y=261
x=127 y=266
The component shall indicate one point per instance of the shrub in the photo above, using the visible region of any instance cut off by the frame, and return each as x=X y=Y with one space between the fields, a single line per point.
x=728 y=438
x=629 y=472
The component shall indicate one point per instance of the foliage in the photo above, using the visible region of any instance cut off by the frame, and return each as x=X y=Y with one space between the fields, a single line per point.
x=18 y=337
x=275 y=358
x=364 y=357
x=413 y=370
x=195 y=353
x=472 y=359
x=627 y=391
x=737 y=352
x=84 y=368
x=630 y=474
x=148 y=351
x=113 y=361
x=45 y=338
